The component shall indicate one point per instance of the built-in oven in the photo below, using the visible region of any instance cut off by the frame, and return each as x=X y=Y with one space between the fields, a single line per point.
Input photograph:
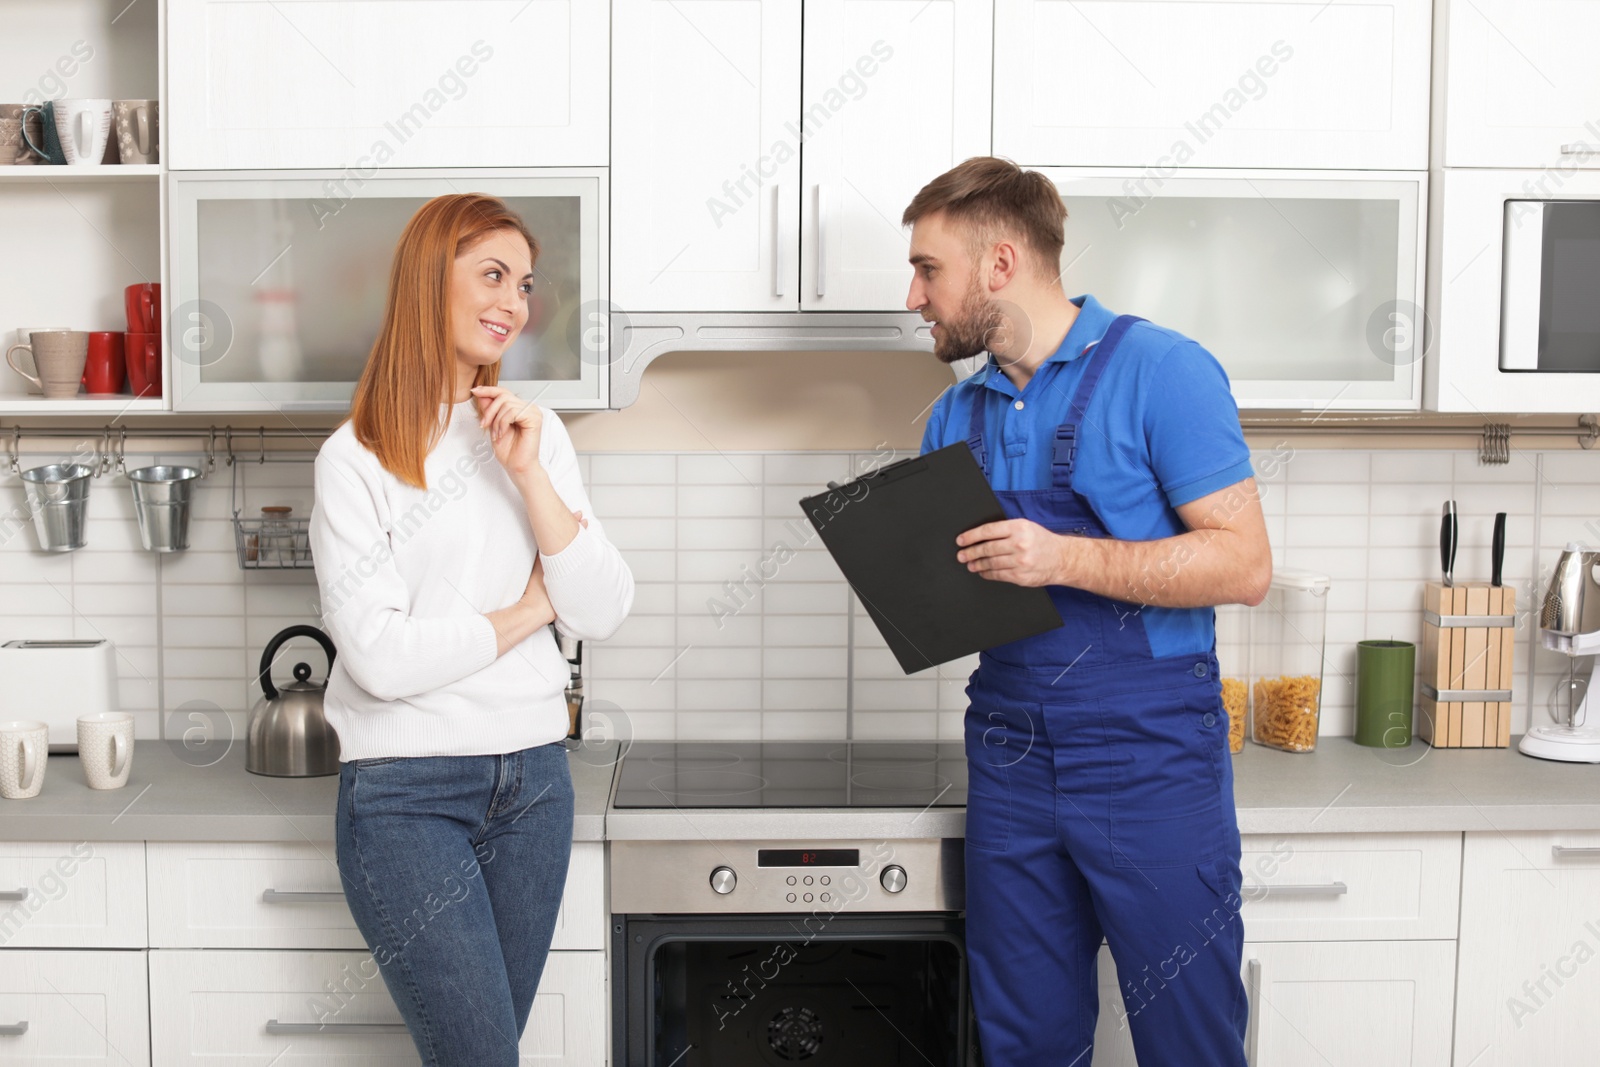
x=748 y=929
x=1550 y=287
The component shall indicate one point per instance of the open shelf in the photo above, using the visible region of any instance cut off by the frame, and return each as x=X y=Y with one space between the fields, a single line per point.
x=107 y=172
x=81 y=405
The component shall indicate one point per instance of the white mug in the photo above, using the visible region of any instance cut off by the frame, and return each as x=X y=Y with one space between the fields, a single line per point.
x=22 y=339
x=83 y=127
x=105 y=748
x=24 y=744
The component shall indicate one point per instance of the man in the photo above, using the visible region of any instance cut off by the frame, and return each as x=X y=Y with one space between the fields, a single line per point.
x=1101 y=792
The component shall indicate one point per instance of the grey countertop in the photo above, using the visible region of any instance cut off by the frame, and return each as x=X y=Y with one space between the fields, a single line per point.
x=173 y=795
x=1339 y=788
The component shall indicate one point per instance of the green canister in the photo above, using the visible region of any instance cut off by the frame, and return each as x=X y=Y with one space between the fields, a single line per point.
x=1385 y=681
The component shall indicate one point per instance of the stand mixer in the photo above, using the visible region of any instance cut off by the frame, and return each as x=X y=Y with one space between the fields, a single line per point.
x=1569 y=622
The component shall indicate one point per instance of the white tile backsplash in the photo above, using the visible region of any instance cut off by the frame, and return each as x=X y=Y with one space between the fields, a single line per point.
x=742 y=624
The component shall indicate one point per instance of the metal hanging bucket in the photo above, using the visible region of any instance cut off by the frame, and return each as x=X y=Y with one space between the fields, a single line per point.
x=161 y=498
x=58 y=495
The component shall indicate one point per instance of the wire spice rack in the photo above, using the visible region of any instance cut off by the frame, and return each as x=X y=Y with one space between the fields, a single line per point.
x=274 y=541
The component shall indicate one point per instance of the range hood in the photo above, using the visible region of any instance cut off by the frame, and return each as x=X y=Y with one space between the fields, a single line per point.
x=640 y=338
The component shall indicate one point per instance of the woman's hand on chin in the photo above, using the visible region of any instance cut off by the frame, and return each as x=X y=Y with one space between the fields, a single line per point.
x=514 y=426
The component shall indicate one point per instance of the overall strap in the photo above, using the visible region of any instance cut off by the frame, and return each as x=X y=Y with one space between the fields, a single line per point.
x=1066 y=444
x=977 y=427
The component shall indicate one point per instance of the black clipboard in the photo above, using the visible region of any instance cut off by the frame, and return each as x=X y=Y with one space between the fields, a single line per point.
x=893 y=534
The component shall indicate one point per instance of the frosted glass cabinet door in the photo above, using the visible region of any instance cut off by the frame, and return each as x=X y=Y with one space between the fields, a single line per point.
x=1308 y=288
x=371 y=83
x=279 y=281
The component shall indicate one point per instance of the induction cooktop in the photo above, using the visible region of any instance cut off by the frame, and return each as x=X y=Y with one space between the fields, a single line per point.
x=792 y=774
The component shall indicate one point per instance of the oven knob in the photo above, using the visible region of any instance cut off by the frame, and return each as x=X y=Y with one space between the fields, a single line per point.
x=723 y=880
x=893 y=879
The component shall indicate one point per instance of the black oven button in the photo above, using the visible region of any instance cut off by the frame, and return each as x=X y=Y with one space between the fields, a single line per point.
x=723 y=880
x=893 y=878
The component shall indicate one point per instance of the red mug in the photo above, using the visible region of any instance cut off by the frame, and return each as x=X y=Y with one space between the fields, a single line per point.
x=143 y=304
x=105 y=369
x=144 y=363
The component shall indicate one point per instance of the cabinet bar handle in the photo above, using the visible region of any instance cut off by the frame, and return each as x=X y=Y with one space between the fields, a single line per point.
x=14 y=894
x=295 y=896
x=14 y=1029
x=777 y=239
x=1569 y=850
x=1329 y=889
x=822 y=247
x=343 y=1029
x=1252 y=992
x=1575 y=149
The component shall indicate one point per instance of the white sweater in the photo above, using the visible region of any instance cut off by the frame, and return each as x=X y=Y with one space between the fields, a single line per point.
x=406 y=576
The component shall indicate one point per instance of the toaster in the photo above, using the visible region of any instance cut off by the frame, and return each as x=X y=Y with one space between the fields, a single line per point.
x=55 y=682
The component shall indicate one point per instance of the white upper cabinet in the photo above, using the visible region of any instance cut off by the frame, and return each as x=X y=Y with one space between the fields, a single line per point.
x=753 y=173
x=1214 y=83
x=896 y=92
x=705 y=176
x=1520 y=83
x=361 y=84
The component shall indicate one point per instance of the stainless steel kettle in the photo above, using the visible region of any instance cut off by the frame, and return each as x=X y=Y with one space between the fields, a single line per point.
x=288 y=736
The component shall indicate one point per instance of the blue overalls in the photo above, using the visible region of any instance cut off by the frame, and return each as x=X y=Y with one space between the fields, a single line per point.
x=1100 y=803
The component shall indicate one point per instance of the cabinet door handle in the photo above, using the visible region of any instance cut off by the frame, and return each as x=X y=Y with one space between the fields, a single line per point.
x=337 y=1029
x=16 y=1029
x=1328 y=889
x=1574 y=850
x=1575 y=149
x=822 y=247
x=295 y=896
x=777 y=239
x=1252 y=992
x=14 y=894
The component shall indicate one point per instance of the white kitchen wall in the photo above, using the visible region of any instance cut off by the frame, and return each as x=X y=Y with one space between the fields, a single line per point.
x=734 y=636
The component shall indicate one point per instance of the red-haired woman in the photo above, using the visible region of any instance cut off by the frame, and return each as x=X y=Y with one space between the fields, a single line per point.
x=450 y=528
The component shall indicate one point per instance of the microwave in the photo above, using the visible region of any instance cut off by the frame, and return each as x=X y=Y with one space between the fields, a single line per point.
x=1550 y=287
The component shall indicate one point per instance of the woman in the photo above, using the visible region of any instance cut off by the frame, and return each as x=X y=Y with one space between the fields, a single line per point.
x=448 y=532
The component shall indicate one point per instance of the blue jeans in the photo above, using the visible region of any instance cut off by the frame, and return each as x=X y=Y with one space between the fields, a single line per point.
x=453 y=867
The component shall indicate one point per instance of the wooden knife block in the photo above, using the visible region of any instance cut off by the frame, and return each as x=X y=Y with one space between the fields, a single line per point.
x=1468 y=637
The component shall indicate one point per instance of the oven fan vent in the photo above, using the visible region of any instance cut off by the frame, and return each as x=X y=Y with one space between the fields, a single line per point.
x=795 y=1034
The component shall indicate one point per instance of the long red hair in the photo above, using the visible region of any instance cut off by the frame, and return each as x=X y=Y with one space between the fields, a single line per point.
x=412 y=368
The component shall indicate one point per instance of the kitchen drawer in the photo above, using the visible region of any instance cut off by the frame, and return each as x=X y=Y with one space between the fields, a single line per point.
x=216 y=895
x=72 y=894
x=1339 y=887
x=73 y=1007
x=231 y=1007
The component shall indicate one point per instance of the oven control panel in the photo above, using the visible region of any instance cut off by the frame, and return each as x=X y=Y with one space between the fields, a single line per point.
x=688 y=877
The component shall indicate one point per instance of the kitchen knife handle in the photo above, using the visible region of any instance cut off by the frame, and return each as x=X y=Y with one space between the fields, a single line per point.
x=1498 y=560
x=1447 y=542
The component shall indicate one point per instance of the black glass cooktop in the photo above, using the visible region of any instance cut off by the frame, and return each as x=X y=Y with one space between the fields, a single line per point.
x=793 y=774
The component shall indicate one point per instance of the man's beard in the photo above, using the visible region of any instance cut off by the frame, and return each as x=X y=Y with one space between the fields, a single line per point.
x=968 y=334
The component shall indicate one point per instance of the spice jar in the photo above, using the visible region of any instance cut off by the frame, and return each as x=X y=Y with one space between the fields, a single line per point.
x=1286 y=654
x=1233 y=665
x=277 y=534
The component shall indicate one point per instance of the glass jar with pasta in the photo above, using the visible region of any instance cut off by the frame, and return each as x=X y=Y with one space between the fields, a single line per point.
x=1286 y=656
x=1233 y=660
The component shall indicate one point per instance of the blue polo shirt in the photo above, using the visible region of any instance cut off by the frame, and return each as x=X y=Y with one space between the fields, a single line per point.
x=1161 y=430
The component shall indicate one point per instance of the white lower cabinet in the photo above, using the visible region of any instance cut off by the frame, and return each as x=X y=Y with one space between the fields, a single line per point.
x=214 y=894
x=71 y=1008
x=1316 y=1003
x=230 y=1007
x=1530 y=935
x=71 y=894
